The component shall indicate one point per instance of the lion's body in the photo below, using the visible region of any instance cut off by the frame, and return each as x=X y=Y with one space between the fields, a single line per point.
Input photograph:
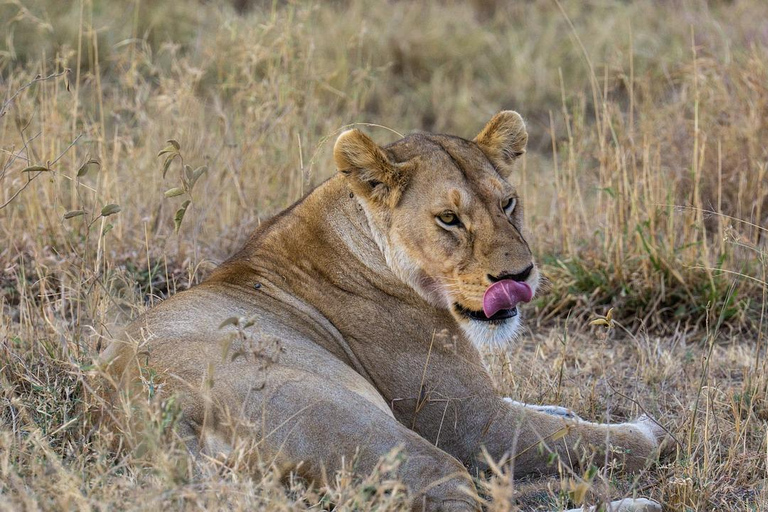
x=355 y=338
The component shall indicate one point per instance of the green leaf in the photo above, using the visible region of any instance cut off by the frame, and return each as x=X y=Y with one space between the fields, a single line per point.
x=173 y=192
x=196 y=175
x=609 y=191
x=169 y=149
x=179 y=216
x=74 y=213
x=110 y=209
x=106 y=229
x=35 y=168
x=186 y=176
x=83 y=170
x=560 y=433
x=172 y=149
x=167 y=163
x=233 y=320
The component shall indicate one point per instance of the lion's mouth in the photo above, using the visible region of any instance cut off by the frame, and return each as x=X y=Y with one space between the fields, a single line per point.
x=499 y=316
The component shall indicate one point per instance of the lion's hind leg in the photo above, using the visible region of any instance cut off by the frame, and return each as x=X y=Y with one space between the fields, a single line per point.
x=299 y=421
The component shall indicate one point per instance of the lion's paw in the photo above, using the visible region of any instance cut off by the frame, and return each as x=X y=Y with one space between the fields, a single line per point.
x=655 y=432
x=625 y=505
x=634 y=505
x=664 y=442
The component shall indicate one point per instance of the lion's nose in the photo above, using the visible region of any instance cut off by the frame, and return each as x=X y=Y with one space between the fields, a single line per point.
x=519 y=276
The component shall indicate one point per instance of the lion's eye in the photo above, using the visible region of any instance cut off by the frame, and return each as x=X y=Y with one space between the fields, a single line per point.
x=449 y=218
x=509 y=205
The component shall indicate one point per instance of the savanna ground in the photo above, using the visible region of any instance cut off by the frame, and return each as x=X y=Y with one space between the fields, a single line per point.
x=645 y=186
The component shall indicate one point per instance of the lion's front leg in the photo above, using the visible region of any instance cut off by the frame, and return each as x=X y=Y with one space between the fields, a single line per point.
x=458 y=411
x=530 y=435
x=625 y=505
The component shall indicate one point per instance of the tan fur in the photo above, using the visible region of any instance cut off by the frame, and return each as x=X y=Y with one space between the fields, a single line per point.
x=356 y=343
x=504 y=139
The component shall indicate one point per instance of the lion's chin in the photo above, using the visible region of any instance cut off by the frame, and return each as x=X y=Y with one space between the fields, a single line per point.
x=491 y=334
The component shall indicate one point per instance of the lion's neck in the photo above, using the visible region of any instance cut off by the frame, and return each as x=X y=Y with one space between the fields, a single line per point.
x=333 y=250
x=324 y=256
x=334 y=236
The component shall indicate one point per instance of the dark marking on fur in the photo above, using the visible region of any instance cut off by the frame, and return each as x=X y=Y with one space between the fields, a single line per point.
x=453 y=159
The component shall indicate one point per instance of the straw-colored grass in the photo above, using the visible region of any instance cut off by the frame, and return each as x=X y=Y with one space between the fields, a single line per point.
x=646 y=187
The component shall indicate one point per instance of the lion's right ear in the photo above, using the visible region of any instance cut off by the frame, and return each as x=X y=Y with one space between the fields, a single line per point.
x=503 y=140
x=370 y=172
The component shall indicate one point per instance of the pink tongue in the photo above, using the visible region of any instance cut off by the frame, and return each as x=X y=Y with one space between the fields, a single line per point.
x=505 y=294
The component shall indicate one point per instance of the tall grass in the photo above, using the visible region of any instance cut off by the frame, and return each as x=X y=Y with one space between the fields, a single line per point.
x=646 y=184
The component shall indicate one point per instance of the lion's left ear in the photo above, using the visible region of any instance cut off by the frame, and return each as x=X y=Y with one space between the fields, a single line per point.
x=503 y=140
x=370 y=172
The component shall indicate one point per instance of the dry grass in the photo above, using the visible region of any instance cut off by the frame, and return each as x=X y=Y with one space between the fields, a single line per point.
x=646 y=183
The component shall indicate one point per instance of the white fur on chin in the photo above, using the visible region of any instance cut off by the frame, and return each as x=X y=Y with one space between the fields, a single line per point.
x=491 y=335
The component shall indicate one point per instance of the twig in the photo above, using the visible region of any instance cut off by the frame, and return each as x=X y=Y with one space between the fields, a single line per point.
x=15 y=155
x=639 y=406
x=705 y=367
x=38 y=78
x=32 y=178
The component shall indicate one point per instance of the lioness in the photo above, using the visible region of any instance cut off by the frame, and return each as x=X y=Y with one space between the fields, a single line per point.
x=365 y=304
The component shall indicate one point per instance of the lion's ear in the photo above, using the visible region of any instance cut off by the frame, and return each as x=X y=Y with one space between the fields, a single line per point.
x=503 y=140
x=369 y=171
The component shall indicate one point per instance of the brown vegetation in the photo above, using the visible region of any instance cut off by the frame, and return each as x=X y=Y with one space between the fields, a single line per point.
x=646 y=190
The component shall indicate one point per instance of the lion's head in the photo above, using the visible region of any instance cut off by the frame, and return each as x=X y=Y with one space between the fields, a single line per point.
x=448 y=221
